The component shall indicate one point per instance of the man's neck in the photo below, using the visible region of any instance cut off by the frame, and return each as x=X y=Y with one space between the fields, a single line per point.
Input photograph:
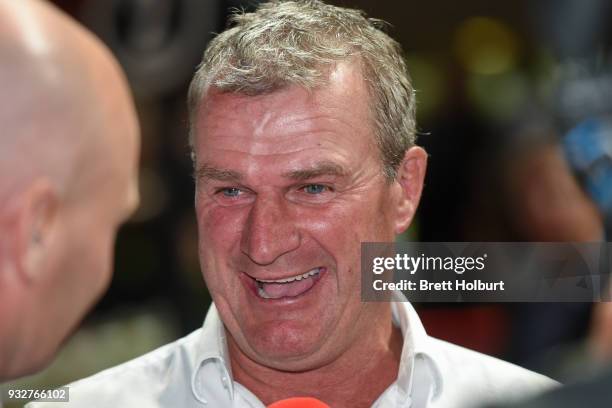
x=355 y=379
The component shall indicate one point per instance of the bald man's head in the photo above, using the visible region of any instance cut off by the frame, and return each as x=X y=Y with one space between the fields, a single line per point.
x=59 y=84
x=68 y=164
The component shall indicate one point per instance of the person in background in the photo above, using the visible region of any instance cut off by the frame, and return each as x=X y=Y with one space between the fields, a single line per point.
x=69 y=146
x=584 y=155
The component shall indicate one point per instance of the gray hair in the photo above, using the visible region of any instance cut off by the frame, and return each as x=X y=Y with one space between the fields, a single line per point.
x=297 y=43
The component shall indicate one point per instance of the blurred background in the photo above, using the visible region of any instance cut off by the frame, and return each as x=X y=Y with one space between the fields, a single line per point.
x=513 y=108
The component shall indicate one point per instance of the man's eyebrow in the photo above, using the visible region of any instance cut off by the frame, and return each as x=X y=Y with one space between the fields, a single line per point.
x=319 y=169
x=208 y=172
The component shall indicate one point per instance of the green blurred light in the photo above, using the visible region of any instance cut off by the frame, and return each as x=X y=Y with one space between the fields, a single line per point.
x=486 y=46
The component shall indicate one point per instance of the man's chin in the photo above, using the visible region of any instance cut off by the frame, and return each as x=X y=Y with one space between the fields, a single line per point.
x=289 y=362
x=284 y=348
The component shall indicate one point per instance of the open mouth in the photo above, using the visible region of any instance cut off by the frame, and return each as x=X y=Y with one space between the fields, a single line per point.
x=288 y=287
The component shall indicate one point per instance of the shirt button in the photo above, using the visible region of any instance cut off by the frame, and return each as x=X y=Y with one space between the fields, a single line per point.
x=225 y=382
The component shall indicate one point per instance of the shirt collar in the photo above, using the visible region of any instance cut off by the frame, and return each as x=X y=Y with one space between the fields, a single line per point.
x=212 y=350
x=417 y=345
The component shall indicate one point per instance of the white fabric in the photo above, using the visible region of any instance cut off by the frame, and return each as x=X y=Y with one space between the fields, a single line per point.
x=195 y=372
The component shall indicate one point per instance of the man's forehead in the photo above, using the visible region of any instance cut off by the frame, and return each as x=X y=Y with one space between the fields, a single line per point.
x=287 y=128
x=288 y=100
x=332 y=123
x=283 y=117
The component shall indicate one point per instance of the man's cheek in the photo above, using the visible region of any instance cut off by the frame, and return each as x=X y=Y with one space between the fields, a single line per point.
x=222 y=222
x=318 y=220
x=215 y=282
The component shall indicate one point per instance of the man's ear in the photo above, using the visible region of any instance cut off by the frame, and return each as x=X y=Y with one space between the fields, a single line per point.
x=410 y=177
x=36 y=223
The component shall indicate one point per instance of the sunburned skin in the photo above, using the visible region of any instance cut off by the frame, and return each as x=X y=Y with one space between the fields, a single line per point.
x=288 y=185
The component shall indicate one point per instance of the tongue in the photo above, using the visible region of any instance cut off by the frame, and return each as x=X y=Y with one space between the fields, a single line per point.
x=295 y=288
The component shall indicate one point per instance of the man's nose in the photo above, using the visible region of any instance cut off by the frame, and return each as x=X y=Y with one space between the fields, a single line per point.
x=270 y=231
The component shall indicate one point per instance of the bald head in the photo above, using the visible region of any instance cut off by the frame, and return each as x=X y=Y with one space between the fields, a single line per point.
x=69 y=144
x=51 y=73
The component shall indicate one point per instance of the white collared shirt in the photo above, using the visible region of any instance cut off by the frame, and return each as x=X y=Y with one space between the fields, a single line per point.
x=195 y=372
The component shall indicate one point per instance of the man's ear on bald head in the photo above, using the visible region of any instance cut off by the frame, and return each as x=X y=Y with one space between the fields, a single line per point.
x=35 y=227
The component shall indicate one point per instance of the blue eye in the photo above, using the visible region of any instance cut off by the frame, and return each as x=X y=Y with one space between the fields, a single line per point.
x=314 y=188
x=230 y=192
x=232 y=196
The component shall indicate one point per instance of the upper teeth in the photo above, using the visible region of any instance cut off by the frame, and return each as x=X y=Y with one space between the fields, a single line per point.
x=291 y=279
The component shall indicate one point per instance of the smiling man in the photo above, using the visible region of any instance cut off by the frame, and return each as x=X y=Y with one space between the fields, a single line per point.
x=302 y=128
x=281 y=178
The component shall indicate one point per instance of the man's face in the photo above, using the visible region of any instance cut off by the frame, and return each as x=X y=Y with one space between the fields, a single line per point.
x=288 y=186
